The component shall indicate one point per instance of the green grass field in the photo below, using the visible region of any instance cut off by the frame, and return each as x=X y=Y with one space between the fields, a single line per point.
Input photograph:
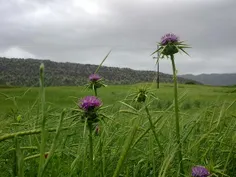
x=207 y=125
x=66 y=97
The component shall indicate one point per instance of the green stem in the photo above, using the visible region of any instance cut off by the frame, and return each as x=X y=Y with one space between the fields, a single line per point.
x=95 y=92
x=90 y=149
x=29 y=132
x=155 y=122
x=53 y=146
x=19 y=159
x=153 y=129
x=100 y=144
x=177 y=117
x=101 y=157
x=42 y=94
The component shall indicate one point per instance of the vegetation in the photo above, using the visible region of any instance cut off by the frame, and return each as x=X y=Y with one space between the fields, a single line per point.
x=118 y=131
x=24 y=72
x=207 y=121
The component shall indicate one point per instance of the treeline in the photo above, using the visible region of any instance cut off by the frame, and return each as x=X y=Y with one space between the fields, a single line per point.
x=25 y=72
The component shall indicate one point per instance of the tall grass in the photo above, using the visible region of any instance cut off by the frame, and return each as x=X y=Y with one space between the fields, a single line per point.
x=130 y=139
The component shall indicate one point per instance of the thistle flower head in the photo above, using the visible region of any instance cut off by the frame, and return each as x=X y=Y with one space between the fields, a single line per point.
x=200 y=171
x=94 y=77
x=89 y=103
x=170 y=45
x=95 y=82
x=169 y=38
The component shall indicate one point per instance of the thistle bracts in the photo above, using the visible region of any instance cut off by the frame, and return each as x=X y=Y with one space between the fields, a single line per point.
x=95 y=82
x=89 y=105
x=170 y=45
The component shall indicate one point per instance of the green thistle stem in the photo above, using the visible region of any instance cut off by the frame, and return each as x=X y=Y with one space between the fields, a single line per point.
x=19 y=159
x=153 y=129
x=177 y=117
x=42 y=93
x=100 y=144
x=90 y=149
x=53 y=146
x=95 y=91
x=101 y=158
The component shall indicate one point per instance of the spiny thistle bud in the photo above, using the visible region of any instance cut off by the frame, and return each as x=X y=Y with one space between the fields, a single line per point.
x=90 y=105
x=169 y=41
x=95 y=82
x=142 y=95
x=170 y=45
x=200 y=171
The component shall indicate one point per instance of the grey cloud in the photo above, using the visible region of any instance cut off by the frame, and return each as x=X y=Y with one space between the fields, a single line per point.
x=62 y=31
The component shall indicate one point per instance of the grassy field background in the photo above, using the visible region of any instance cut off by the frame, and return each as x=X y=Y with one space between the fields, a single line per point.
x=208 y=125
x=65 y=97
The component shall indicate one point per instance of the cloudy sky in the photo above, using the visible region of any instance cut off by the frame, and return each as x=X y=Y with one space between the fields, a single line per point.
x=84 y=31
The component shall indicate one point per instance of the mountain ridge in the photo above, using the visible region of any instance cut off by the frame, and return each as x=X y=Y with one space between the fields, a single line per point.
x=25 y=72
x=215 y=79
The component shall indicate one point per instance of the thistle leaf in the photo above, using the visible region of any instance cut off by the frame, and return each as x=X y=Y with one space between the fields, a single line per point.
x=157 y=50
x=184 y=51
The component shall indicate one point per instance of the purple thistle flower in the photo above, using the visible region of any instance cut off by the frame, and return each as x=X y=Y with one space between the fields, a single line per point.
x=200 y=171
x=169 y=38
x=94 y=77
x=89 y=103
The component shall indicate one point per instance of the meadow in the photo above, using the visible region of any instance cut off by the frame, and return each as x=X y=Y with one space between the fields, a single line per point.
x=126 y=144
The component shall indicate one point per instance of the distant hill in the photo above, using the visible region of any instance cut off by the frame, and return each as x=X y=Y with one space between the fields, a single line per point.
x=25 y=72
x=213 y=79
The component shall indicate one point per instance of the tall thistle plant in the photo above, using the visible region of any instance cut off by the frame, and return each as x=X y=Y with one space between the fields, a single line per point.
x=90 y=106
x=170 y=45
x=141 y=97
x=95 y=82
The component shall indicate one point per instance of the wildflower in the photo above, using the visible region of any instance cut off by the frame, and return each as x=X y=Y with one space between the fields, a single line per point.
x=94 y=77
x=170 y=45
x=90 y=105
x=200 y=171
x=169 y=38
x=95 y=82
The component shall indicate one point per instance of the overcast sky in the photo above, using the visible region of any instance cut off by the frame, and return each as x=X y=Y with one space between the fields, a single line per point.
x=83 y=31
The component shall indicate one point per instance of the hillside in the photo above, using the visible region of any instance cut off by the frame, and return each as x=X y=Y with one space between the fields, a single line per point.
x=25 y=72
x=213 y=79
